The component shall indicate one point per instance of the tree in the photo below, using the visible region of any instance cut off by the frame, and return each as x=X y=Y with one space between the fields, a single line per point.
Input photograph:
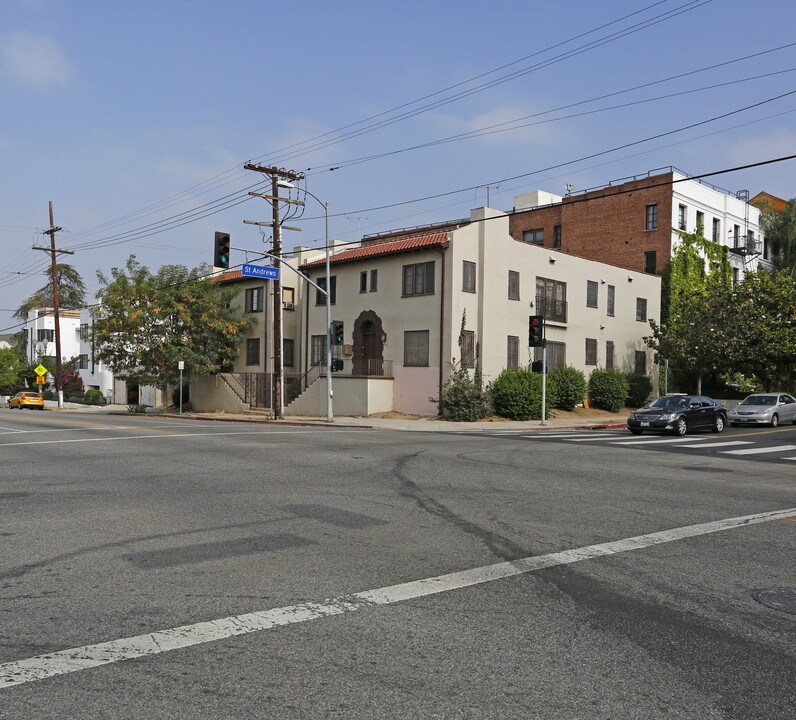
x=71 y=292
x=763 y=328
x=696 y=334
x=145 y=324
x=780 y=230
x=14 y=368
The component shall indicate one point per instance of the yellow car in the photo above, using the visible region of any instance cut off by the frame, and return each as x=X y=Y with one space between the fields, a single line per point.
x=24 y=400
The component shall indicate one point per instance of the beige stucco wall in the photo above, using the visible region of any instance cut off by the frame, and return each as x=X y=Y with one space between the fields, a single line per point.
x=211 y=394
x=352 y=396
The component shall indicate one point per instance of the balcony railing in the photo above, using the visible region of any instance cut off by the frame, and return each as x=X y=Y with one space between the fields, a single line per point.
x=551 y=309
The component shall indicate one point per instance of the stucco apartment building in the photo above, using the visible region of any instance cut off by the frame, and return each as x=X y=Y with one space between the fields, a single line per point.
x=402 y=299
x=632 y=222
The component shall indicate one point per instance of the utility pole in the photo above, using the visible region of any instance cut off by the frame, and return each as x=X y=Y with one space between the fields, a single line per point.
x=53 y=252
x=276 y=174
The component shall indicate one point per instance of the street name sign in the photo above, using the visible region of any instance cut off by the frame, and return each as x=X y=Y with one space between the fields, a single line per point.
x=40 y=370
x=260 y=271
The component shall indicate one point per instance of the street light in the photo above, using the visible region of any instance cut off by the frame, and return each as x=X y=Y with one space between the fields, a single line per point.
x=330 y=395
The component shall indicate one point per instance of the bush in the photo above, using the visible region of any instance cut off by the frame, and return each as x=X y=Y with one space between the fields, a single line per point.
x=608 y=389
x=639 y=389
x=517 y=394
x=94 y=397
x=571 y=387
x=136 y=408
x=462 y=400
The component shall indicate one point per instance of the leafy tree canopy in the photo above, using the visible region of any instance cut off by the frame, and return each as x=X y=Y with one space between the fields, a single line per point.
x=71 y=292
x=780 y=230
x=14 y=368
x=145 y=323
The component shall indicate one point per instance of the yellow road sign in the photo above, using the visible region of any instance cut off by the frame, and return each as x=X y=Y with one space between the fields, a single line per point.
x=41 y=380
x=40 y=370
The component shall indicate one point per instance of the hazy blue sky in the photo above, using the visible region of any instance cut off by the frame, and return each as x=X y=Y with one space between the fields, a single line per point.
x=128 y=114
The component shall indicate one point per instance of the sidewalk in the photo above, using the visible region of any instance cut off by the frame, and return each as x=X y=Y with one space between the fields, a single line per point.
x=578 y=419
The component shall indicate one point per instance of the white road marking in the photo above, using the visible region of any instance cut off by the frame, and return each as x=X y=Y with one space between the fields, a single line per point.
x=610 y=437
x=72 y=429
x=726 y=443
x=168 y=435
x=654 y=442
x=32 y=669
x=11 y=430
x=760 y=451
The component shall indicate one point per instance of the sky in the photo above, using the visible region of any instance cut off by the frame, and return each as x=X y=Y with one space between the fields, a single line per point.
x=135 y=119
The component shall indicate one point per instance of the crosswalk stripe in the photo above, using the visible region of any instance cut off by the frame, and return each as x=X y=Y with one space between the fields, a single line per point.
x=721 y=444
x=760 y=451
x=653 y=442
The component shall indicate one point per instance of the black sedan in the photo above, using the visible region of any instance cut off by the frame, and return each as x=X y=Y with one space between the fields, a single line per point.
x=678 y=414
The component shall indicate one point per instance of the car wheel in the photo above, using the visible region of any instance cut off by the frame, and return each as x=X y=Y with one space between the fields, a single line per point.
x=718 y=424
x=635 y=431
x=774 y=420
x=681 y=426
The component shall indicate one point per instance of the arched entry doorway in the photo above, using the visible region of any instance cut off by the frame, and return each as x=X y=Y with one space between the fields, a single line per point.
x=368 y=348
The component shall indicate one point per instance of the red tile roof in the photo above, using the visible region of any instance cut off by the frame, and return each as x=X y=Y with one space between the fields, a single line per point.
x=384 y=248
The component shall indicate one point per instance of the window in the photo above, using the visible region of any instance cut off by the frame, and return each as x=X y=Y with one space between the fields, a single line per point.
x=652 y=218
x=591 y=351
x=766 y=249
x=514 y=285
x=591 y=293
x=641 y=309
x=716 y=230
x=374 y=280
x=83 y=362
x=650 y=261
x=551 y=299
x=467 y=348
x=556 y=354
x=363 y=281
x=318 y=350
x=288 y=298
x=416 y=348
x=609 y=354
x=288 y=347
x=611 y=300
x=418 y=279
x=253 y=351
x=468 y=277
x=681 y=213
x=557 y=237
x=45 y=335
x=640 y=364
x=254 y=299
x=84 y=331
x=320 y=298
x=513 y=352
x=736 y=235
x=700 y=226
x=751 y=245
x=735 y=277
x=534 y=237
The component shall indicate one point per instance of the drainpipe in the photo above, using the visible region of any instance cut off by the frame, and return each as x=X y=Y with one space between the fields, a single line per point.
x=441 y=251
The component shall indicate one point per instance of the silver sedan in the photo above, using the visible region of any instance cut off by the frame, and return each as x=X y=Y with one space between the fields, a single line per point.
x=764 y=409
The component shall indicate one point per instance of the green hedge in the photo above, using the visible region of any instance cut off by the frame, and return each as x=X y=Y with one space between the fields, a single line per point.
x=639 y=389
x=571 y=387
x=608 y=390
x=517 y=394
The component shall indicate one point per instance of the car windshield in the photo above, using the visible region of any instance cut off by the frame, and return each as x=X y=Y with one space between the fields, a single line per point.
x=671 y=401
x=760 y=400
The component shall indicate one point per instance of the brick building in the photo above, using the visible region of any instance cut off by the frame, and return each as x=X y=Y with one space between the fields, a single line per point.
x=632 y=223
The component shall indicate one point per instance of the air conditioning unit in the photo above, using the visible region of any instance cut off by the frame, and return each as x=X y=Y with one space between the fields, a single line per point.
x=287 y=305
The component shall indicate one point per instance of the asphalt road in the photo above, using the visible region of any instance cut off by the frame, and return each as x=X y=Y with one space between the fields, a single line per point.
x=156 y=568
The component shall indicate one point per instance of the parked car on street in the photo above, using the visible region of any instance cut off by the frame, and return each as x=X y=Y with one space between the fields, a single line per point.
x=764 y=409
x=679 y=414
x=24 y=400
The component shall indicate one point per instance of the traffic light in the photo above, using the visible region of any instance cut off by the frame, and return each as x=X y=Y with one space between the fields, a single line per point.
x=337 y=364
x=221 y=253
x=337 y=332
x=536 y=331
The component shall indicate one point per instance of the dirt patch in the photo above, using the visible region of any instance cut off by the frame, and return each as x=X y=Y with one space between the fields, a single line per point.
x=400 y=416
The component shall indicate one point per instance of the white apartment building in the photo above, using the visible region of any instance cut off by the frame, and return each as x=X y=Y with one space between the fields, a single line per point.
x=39 y=334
